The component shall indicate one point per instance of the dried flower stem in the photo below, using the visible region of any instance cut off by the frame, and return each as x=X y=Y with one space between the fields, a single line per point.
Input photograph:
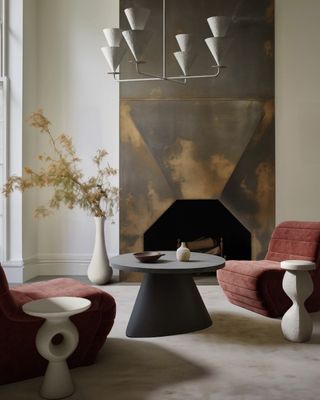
x=66 y=179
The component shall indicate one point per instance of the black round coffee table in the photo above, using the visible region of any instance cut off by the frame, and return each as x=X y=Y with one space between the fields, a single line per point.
x=168 y=302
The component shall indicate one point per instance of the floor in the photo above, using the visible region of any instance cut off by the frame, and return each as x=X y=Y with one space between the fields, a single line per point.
x=242 y=356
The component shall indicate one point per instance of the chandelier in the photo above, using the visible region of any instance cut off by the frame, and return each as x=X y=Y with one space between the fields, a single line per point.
x=137 y=39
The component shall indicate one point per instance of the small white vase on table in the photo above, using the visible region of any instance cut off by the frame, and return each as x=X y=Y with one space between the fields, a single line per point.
x=183 y=253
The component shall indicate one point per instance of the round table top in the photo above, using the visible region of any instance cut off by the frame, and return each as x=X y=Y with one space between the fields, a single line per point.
x=56 y=307
x=297 y=265
x=168 y=264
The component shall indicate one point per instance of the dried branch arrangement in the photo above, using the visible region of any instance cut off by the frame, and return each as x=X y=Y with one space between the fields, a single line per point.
x=60 y=170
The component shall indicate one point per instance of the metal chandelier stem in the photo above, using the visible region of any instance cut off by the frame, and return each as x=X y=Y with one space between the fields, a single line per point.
x=164 y=23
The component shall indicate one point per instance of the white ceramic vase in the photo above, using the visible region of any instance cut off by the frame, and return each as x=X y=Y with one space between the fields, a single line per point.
x=99 y=270
x=183 y=253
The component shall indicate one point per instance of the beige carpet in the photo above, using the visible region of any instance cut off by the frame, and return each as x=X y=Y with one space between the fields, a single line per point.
x=241 y=356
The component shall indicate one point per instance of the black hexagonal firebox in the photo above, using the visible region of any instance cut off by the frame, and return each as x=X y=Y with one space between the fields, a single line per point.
x=199 y=223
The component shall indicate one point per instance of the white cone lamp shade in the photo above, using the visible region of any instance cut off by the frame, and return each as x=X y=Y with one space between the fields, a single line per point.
x=137 y=42
x=113 y=36
x=137 y=17
x=219 y=25
x=218 y=47
x=185 y=59
x=185 y=41
x=113 y=56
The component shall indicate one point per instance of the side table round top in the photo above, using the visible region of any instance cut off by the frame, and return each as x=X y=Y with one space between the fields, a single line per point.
x=56 y=307
x=297 y=265
x=168 y=264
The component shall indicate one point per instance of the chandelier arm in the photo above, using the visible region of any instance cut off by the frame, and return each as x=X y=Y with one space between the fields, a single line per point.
x=169 y=78
x=176 y=79
x=150 y=78
x=136 y=79
x=162 y=78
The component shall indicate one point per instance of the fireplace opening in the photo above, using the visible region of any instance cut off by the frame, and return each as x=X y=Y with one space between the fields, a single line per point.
x=206 y=225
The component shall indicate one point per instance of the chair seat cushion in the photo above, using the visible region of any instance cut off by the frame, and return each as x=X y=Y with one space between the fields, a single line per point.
x=62 y=287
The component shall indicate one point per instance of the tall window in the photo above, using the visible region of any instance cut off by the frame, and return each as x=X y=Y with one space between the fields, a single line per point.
x=3 y=102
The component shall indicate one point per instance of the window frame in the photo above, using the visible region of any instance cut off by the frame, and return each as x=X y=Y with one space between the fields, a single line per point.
x=4 y=122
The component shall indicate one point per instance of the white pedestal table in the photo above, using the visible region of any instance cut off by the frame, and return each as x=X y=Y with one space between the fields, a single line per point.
x=296 y=324
x=57 y=381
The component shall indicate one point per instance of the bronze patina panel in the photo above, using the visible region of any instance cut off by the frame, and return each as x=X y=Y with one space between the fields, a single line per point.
x=209 y=139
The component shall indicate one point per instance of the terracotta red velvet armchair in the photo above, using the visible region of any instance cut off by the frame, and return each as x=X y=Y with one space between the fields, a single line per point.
x=257 y=285
x=19 y=357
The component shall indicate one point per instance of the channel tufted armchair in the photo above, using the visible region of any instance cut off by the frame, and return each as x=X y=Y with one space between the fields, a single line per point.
x=257 y=285
x=19 y=357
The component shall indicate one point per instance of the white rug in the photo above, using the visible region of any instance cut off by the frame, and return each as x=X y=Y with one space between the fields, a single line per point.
x=241 y=356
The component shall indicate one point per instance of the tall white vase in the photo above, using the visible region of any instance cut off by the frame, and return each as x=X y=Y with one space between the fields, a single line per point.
x=99 y=270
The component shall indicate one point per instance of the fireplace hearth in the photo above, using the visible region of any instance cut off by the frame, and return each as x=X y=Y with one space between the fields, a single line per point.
x=207 y=226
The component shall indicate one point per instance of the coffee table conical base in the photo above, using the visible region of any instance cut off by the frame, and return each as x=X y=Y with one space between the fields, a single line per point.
x=167 y=304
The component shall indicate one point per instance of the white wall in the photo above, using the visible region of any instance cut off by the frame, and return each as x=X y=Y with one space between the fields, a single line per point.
x=55 y=62
x=297 y=59
x=80 y=100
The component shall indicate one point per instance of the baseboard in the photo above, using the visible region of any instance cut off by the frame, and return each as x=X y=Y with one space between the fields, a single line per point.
x=14 y=273
x=49 y=265
x=59 y=264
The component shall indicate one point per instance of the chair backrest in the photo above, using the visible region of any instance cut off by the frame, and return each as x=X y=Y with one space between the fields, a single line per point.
x=4 y=287
x=295 y=240
x=7 y=303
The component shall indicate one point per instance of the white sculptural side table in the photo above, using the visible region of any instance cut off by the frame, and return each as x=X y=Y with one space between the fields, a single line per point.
x=57 y=381
x=296 y=323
